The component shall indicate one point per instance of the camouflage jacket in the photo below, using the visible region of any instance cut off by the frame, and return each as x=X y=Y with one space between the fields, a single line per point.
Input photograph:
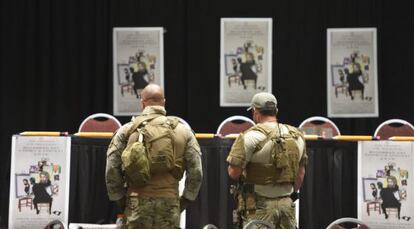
x=115 y=183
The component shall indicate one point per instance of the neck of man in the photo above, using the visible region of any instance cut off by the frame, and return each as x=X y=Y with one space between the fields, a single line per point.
x=264 y=119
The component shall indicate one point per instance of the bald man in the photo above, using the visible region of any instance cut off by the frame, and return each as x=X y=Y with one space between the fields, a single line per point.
x=156 y=204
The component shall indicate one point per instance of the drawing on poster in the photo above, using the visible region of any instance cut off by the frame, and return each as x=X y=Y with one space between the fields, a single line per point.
x=386 y=193
x=350 y=78
x=245 y=67
x=36 y=189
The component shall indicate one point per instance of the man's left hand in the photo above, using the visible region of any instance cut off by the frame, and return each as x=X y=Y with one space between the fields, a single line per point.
x=294 y=196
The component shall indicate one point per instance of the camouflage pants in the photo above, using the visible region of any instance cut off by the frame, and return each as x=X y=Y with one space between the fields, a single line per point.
x=146 y=213
x=280 y=212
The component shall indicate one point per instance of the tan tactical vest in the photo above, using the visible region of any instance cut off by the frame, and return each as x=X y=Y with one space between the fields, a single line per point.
x=285 y=154
x=165 y=184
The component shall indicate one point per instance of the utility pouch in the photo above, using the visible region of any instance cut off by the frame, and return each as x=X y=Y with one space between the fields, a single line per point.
x=281 y=158
x=250 y=201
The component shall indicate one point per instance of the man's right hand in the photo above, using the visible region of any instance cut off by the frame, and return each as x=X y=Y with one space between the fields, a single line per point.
x=121 y=203
x=234 y=171
x=183 y=203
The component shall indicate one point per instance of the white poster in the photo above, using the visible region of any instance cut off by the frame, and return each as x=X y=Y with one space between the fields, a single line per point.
x=39 y=181
x=352 y=79
x=385 y=184
x=138 y=61
x=245 y=59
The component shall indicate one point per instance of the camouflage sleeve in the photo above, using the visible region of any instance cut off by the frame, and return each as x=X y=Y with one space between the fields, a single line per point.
x=115 y=184
x=194 y=171
x=237 y=155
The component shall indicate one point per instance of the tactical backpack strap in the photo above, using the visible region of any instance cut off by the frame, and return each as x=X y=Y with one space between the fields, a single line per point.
x=134 y=137
x=136 y=123
x=170 y=121
x=173 y=122
x=293 y=131
x=269 y=133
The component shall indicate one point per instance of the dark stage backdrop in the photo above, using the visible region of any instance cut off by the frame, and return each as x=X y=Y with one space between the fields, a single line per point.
x=56 y=59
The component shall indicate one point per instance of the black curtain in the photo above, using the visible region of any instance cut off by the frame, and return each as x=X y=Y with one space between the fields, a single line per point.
x=88 y=198
x=214 y=203
x=329 y=190
x=56 y=59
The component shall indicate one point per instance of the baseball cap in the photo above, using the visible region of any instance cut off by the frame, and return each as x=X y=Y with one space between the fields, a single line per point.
x=263 y=101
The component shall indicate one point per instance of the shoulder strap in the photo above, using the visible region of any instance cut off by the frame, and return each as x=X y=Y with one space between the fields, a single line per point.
x=261 y=128
x=140 y=120
x=269 y=132
x=294 y=132
x=173 y=122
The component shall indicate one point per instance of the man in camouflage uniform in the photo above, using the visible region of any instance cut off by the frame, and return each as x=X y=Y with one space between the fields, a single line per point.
x=269 y=159
x=157 y=204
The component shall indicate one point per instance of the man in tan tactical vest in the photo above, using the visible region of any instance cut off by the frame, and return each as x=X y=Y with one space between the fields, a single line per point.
x=269 y=159
x=156 y=204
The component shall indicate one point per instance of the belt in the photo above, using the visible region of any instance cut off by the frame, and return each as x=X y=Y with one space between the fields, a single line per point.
x=273 y=198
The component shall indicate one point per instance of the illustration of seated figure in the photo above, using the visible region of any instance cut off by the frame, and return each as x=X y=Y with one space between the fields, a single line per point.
x=355 y=82
x=42 y=192
x=140 y=78
x=247 y=72
x=390 y=197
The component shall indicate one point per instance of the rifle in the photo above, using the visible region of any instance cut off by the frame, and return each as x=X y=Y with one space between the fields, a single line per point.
x=236 y=190
x=243 y=194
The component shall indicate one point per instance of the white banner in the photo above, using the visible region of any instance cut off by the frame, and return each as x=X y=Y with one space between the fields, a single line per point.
x=352 y=79
x=385 y=184
x=39 y=181
x=245 y=59
x=138 y=60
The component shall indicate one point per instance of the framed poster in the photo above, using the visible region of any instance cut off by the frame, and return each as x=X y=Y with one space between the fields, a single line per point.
x=352 y=79
x=385 y=184
x=245 y=59
x=39 y=181
x=138 y=61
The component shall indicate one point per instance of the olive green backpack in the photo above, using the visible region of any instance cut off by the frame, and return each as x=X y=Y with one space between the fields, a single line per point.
x=150 y=149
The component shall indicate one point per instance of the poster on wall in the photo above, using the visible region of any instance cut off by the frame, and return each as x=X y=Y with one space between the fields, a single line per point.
x=138 y=61
x=245 y=59
x=352 y=79
x=385 y=184
x=39 y=181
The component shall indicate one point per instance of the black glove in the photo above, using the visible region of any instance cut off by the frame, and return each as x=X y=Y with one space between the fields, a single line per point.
x=294 y=196
x=183 y=203
x=121 y=203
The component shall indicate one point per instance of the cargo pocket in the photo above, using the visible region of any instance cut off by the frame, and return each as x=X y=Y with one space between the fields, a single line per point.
x=287 y=214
